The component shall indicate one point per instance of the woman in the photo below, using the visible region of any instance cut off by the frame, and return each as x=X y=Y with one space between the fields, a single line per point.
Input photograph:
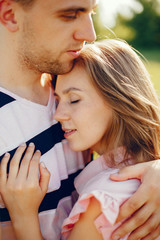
x=106 y=103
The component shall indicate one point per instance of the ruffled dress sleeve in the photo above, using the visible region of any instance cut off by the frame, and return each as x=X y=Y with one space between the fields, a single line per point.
x=109 y=194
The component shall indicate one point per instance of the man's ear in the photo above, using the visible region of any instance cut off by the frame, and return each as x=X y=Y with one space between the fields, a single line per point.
x=7 y=16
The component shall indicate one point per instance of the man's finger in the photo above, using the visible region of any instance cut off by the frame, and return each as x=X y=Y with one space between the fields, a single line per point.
x=153 y=235
x=136 y=220
x=132 y=205
x=130 y=172
x=148 y=229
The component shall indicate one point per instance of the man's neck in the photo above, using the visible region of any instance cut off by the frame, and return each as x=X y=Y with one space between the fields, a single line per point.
x=19 y=79
x=35 y=93
x=26 y=85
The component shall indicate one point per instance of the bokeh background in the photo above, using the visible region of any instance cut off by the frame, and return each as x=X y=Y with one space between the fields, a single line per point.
x=137 y=22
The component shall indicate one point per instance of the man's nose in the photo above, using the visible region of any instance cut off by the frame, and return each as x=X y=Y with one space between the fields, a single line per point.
x=86 y=31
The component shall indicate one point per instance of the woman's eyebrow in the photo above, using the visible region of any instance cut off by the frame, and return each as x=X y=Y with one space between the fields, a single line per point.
x=66 y=91
x=71 y=89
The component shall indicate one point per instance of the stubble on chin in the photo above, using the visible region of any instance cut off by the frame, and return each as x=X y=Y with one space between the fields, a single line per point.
x=43 y=64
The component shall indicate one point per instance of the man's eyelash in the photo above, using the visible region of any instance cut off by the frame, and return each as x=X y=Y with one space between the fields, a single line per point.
x=69 y=16
x=93 y=12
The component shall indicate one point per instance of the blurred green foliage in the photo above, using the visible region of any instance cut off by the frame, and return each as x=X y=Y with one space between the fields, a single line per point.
x=144 y=26
x=142 y=31
x=153 y=66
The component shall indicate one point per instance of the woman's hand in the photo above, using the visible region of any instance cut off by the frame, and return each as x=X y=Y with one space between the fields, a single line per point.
x=22 y=190
x=143 y=208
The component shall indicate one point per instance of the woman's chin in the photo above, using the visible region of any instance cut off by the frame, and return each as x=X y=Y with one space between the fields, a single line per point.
x=77 y=148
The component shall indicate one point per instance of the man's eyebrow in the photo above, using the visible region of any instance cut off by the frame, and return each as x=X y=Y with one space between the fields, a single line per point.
x=76 y=9
x=72 y=9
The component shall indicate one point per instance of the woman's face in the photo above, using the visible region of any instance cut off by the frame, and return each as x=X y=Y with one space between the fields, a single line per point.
x=82 y=112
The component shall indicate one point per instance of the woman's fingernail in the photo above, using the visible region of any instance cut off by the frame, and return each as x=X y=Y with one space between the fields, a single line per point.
x=23 y=144
x=31 y=144
x=43 y=165
x=6 y=154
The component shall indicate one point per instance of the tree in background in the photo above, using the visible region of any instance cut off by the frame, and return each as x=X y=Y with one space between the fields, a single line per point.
x=142 y=30
x=102 y=31
x=144 y=27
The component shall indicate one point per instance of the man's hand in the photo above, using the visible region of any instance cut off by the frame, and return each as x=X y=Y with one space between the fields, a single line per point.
x=143 y=208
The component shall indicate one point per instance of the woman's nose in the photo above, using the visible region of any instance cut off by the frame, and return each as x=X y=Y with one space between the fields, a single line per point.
x=61 y=113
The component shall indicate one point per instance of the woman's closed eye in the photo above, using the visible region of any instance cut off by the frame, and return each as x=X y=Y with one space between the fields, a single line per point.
x=56 y=103
x=75 y=101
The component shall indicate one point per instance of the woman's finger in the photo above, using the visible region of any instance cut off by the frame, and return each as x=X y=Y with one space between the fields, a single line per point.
x=3 y=168
x=44 y=177
x=34 y=167
x=25 y=163
x=15 y=161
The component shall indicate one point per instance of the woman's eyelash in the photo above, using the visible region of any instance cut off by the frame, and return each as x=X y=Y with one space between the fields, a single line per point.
x=56 y=103
x=75 y=101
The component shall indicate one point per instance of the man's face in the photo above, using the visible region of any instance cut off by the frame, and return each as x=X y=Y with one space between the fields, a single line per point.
x=52 y=33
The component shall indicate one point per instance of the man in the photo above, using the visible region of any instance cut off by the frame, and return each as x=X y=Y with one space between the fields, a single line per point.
x=38 y=36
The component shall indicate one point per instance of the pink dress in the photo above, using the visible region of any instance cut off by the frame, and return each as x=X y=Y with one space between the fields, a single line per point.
x=95 y=181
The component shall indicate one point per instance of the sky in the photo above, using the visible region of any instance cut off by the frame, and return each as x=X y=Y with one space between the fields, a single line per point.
x=109 y=8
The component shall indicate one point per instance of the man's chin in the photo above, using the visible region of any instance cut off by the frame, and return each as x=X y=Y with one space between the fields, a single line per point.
x=66 y=68
x=59 y=68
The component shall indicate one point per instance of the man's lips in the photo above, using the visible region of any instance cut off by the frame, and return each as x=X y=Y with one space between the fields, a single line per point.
x=74 y=53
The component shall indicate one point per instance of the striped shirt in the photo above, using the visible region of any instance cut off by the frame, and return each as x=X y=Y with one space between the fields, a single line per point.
x=24 y=121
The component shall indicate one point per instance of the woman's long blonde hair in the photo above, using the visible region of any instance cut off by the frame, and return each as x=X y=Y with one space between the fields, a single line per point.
x=121 y=78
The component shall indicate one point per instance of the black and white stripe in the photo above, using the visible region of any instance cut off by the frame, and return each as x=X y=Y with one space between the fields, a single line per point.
x=43 y=142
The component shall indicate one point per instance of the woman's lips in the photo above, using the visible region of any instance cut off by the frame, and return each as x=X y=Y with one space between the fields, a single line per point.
x=69 y=133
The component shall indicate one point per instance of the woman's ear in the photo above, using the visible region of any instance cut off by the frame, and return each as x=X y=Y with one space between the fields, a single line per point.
x=7 y=15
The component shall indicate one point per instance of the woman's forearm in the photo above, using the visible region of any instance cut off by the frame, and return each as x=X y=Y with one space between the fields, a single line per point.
x=22 y=190
x=27 y=228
